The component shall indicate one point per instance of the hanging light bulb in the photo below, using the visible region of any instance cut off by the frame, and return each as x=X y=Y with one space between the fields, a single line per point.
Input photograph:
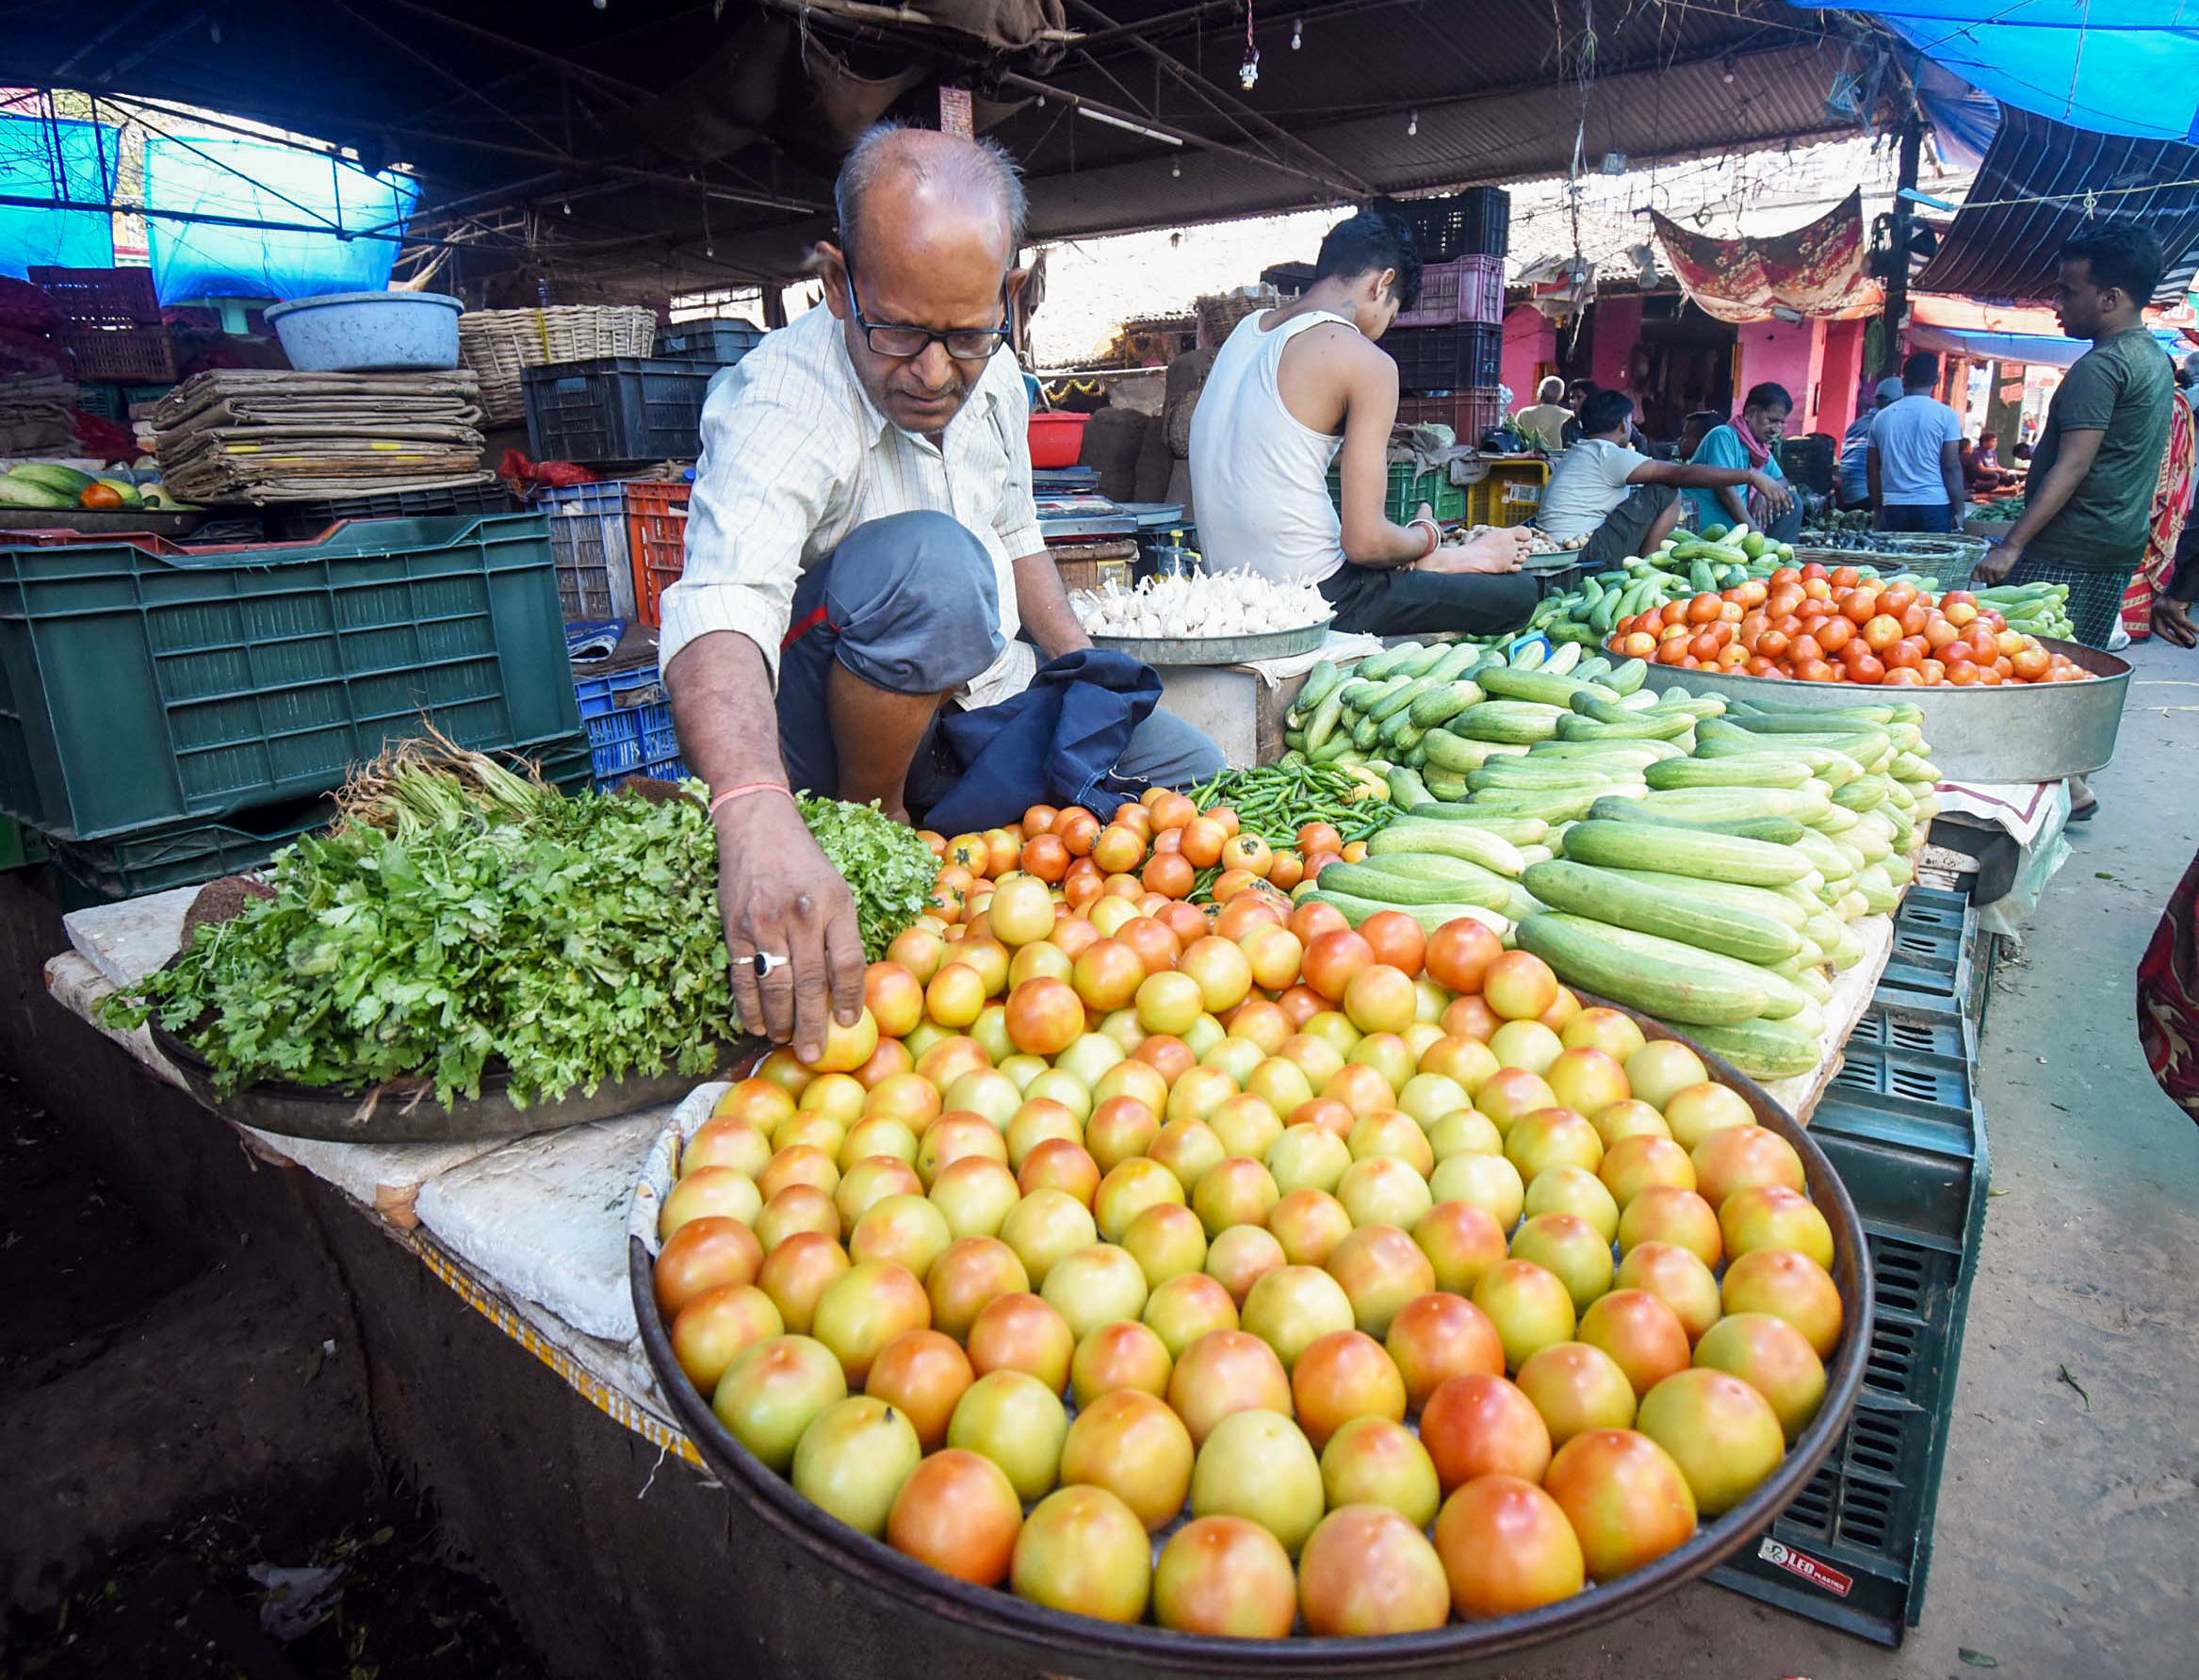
x=214 y=30
x=1412 y=123
x=1297 y=33
x=568 y=206
x=1175 y=169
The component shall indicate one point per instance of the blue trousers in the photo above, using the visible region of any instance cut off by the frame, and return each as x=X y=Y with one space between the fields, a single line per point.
x=909 y=604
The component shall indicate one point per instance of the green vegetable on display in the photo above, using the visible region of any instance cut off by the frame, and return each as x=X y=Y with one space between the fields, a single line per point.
x=461 y=918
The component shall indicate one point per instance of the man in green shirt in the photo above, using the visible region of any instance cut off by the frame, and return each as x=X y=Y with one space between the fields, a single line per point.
x=2099 y=458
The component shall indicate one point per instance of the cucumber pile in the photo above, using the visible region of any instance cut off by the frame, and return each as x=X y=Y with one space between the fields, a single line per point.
x=1704 y=863
x=1717 y=895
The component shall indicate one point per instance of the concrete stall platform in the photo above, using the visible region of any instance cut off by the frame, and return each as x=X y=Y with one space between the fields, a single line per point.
x=2067 y=1525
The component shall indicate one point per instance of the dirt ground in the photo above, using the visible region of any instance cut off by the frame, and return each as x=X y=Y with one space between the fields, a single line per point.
x=257 y=1460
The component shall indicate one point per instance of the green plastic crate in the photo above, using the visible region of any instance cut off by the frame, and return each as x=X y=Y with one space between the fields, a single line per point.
x=1902 y=1126
x=1408 y=489
x=133 y=865
x=145 y=686
x=18 y=849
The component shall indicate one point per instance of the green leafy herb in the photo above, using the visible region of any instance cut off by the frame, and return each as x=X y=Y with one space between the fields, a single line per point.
x=890 y=870
x=460 y=915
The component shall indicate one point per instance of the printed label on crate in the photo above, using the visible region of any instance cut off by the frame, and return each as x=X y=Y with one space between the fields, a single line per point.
x=1530 y=493
x=1802 y=1565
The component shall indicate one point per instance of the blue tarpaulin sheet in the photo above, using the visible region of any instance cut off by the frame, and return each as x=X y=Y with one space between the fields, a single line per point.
x=266 y=183
x=2127 y=67
x=2027 y=348
x=61 y=160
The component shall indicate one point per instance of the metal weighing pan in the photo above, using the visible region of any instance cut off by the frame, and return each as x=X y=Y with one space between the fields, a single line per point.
x=2017 y=732
x=396 y=1117
x=1217 y=650
x=820 y=1559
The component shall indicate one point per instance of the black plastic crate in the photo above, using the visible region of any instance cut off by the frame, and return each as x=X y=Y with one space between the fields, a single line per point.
x=1432 y=361
x=720 y=343
x=301 y=521
x=1807 y=461
x=616 y=408
x=1477 y=222
x=1902 y=1130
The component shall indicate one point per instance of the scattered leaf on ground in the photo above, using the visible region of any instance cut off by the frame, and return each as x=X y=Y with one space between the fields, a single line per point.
x=1990 y=1194
x=2077 y=1385
x=1977 y=1659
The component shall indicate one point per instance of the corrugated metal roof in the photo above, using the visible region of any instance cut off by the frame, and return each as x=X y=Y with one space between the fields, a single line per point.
x=1996 y=250
x=504 y=107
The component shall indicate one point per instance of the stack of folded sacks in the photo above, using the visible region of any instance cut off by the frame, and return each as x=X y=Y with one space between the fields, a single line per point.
x=262 y=436
x=37 y=413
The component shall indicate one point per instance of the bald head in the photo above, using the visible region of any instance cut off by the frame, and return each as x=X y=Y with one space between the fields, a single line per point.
x=896 y=175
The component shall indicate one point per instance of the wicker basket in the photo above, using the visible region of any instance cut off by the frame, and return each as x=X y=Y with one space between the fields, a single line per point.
x=1219 y=316
x=498 y=343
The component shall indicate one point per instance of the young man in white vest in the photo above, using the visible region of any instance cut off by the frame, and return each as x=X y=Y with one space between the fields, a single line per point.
x=1296 y=388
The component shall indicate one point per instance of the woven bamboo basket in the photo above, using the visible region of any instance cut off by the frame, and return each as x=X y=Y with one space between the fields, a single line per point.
x=1219 y=313
x=497 y=343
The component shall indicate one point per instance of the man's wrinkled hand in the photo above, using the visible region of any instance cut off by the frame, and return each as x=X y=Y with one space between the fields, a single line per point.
x=2172 y=619
x=779 y=894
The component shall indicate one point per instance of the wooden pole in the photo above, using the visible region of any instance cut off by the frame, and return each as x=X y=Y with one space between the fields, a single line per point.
x=1897 y=310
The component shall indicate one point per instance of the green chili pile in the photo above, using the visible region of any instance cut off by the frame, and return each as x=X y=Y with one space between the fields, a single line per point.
x=1274 y=801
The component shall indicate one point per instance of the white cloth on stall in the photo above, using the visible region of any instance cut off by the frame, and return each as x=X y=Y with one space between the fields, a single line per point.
x=1258 y=475
x=796 y=455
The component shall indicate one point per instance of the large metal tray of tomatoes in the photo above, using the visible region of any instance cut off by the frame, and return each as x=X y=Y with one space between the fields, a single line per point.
x=940 y=1612
x=2014 y=732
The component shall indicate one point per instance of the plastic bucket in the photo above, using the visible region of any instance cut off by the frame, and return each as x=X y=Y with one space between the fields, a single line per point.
x=368 y=332
x=1056 y=439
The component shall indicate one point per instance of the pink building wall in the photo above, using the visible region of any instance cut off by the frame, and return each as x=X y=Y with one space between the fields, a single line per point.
x=1840 y=381
x=1617 y=330
x=1780 y=353
x=1530 y=340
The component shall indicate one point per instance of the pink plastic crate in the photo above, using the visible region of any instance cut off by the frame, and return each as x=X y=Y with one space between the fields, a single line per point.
x=1471 y=289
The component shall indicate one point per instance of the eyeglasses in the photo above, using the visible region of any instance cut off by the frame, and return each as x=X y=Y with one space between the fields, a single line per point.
x=904 y=344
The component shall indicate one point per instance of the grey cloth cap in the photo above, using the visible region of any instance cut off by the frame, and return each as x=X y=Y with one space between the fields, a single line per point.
x=1889 y=390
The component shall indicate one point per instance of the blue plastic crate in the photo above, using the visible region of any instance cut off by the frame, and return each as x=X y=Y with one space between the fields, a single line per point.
x=659 y=743
x=628 y=720
x=619 y=690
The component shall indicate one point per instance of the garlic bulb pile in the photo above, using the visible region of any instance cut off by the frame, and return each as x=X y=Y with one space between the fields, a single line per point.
x=1217 y=604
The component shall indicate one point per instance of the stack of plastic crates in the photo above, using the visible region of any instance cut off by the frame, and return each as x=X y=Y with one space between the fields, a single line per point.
x=627 y=716
x=1901 y=1125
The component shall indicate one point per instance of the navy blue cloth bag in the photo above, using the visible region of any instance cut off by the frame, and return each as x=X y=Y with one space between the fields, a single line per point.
x=1057 y=742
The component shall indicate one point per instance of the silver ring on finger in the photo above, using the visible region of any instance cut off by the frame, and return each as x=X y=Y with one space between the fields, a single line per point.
x=764 y=963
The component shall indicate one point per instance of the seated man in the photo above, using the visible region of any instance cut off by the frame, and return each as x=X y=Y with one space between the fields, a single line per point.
x=862 y=550
x=1622 y=501
x=1545 y=422
x=1288 y=388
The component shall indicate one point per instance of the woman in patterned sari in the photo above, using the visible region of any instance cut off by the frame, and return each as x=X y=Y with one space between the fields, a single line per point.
x=2172 y=502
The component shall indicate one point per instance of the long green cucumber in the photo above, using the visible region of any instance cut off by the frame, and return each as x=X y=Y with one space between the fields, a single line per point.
x=1430 y=917
x=1543 y=687
x=1663 y=977
x=1762 y=901
x=1321 y=681
x=1636 y=754
x=1445 y=701
x=1761 y=1049
x=1519 y=723
x=1705 y=923
x=1322 y=722
x=1406 y=789
x=1777 y=831
x=1548 y=773
x=1627 y=677
x=1389 y=661
x=1521 y=831
x=1710 y=856
x=1457 y=658
x=1727 y=773
x=1407 y=836
x=1638 y=725
x=1834 y=769
x=1401 y=699
x=1456 y=753
x=1402 y=875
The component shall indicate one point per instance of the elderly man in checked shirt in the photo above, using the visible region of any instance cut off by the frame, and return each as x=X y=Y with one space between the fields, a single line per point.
x=862 y=550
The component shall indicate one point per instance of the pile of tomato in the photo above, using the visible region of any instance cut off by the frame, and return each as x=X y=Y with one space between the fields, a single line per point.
x=1820 y=626
x=1158 y=844
x=1232 y=1266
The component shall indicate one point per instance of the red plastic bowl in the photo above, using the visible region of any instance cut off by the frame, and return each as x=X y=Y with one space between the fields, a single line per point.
x=1057 y=439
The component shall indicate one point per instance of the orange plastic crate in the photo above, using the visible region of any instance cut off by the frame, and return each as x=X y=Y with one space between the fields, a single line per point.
x=656 y=540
